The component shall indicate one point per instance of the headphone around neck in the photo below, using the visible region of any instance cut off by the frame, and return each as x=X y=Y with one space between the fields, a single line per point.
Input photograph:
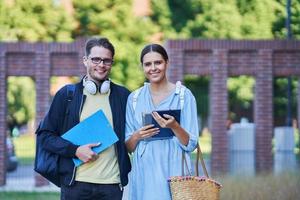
x=93 y=87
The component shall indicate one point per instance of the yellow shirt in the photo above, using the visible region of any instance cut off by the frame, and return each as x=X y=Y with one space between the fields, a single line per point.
x=105 y=169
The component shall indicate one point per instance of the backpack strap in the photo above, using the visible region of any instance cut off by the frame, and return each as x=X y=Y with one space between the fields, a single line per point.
x=135 y=96
x=70 y=95
x=181 y=96
x=180 y=89
x=70 y=92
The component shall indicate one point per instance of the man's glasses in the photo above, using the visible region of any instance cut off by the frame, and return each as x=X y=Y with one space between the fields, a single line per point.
x=98 y=60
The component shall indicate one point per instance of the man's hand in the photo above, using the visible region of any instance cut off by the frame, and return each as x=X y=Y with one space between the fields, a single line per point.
x=85 y=152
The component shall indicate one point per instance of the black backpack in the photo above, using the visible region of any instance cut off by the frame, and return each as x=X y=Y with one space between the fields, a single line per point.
x=46 y=163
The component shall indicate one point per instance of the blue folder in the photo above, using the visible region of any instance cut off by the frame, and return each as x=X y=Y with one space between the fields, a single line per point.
x=164 y=133
x=96 y=128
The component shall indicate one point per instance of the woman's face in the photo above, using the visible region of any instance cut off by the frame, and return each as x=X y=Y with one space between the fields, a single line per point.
x=155 y=67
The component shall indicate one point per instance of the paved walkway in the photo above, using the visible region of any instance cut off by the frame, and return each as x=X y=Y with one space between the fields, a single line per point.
x=22 y=179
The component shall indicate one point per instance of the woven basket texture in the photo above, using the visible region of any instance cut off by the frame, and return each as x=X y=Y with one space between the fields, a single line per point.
x=192 y=188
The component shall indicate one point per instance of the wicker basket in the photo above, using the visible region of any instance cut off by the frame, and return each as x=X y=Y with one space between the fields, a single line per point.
x=194 y=187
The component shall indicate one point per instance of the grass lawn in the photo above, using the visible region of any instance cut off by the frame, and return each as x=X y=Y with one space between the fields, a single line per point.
x=262 y=187
x=29 y=196
x=205 y=145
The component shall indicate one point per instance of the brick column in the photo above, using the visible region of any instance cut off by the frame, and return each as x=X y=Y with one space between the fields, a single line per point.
x=263 y=111
x=219 y=111
x=3 y=109
x=176 y=63
x=42 y=82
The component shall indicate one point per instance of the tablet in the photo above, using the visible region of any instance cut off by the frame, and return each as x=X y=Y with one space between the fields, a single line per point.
x=164 y=133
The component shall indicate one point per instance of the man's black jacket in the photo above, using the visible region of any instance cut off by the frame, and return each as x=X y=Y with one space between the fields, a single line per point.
x=63 y=115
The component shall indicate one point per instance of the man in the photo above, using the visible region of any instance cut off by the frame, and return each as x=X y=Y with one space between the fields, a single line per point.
x=101 y=176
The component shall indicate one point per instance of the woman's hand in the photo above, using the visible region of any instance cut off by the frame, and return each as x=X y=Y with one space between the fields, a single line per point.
x=146 y=132
x=169 y=122
x=142 y=133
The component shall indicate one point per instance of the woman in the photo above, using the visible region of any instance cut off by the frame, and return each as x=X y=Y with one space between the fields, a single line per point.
x=155 y=160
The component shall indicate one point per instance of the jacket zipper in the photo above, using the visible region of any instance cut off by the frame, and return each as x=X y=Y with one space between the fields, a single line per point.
x=73 y=176
x=74 y=169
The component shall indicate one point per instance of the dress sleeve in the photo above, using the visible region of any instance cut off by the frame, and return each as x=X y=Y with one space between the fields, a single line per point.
x=189 y=121
x=130 y=121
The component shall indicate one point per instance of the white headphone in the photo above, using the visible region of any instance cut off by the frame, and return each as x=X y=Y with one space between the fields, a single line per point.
x=92 y=87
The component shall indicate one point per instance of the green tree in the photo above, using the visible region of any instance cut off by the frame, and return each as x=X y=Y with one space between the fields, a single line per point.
x=21 y=100
x=240 y=95
x=281 y=100
x=172 y=16
x=199 y=86
x=279 y=28
x=218 y=20
x=184 y=11
x=197 y=18
x=34 y=20
x=258 y=17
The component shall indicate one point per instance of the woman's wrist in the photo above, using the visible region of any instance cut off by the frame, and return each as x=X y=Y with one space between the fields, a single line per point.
x=175 y=127
x=136 y=137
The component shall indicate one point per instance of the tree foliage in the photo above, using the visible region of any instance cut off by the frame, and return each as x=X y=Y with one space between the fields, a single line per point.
x=258 y=17
x=217 y=21
x=200 y=89
x=279 y=26
x=34 y=20
x=240 y=95
x=224 y=19
x=281 y=101
x=21 y=100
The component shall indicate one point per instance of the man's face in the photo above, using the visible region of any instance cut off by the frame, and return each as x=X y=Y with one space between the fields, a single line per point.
x=98 y=63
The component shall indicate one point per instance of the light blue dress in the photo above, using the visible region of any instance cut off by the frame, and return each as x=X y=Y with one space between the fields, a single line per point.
x=156 y=160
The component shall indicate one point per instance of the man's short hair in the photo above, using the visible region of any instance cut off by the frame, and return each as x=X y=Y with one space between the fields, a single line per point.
x=101 y=42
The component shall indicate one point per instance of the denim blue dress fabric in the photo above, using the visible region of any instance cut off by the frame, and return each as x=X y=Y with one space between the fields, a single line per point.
x=154 y=161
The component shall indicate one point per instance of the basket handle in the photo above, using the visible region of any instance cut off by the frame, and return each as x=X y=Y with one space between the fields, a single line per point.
x=199 y=155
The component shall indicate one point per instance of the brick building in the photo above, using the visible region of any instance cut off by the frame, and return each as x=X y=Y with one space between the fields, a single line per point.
x=219 y=59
